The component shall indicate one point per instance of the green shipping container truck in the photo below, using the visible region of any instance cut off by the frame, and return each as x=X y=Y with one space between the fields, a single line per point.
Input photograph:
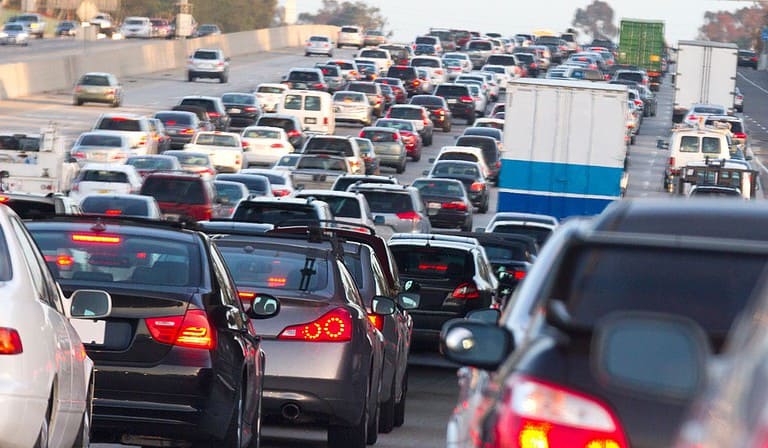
x=641 y=43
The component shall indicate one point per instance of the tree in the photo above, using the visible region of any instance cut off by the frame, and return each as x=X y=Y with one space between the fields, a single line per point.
x=742 y=27
x=596 y=20
x=346 y=13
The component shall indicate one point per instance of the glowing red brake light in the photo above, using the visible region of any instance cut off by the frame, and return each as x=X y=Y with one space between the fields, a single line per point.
x=280 y=192
x=214 y=114
x=293 y=133
x=466 y=99
x=187 y=131
x=433 y=267
x=477 y=186
x=638 y=102
x=113 y=212
x=455 y=205
x=739 y=135
x=10 y=342
x=96 y=238
x=466 y=290
x=519 y=275
x=333 y=326
x=4 y=199
x=410 y=216
x=377 y=321
x=192 y=330
x=671 y=161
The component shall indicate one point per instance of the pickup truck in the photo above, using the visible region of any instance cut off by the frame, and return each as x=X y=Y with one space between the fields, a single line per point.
x=34 y=23
x=224 y=148
x=319 y=171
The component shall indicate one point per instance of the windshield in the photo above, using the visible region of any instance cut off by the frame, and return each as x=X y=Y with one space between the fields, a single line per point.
x=180 y=191
x=276 y=214
x=540 y=234
x=341 y=207
x=101 y=140
x=402 y=125
x=321 y=163
x=105 y=205
x=119 y=124
x=261 y=133
x=103 y=176
x=267 y=89
x=171 y=119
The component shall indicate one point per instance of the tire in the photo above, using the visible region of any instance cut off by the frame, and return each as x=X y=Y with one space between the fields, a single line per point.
x=387 y=412
x=447 y=127
x=632 y=140
x=223 y=79
x=42 y=436
x=84 y=434
x=400 y=406
x=484 y=207
x=330 y=54
x=470 y=119
x=338 y=45
x=116 y=103
x=306 y=55
x=190 y=77
x=78 y=102
x=467 y=227
x=350 y=436
x=417 y=157
x=372 y=431
x=428 y=142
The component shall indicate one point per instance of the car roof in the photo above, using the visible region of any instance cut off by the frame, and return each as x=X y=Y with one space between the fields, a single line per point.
x=108 y=167
x=279 y=200
x=281 y=116
x=344 y=194
x=128 y=226
x=379 y=187
x=430 y=239
x=381 y=128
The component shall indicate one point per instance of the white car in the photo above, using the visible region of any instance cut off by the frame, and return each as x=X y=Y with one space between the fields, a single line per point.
x=699 y=111
x=464 y=153
x=105 y=178
x=381 y=57
x=14 y=33
x=225 y=149
x=352 y=106
x=47 y=378
x=102 y=147
x=265 y=145
x=136 y=27
x=351 y=36
x=502 y=73
x=463 y=58
x=349 y=208
x=481 y=101
x=270 y=95
x=318 y=45
x=437 y=72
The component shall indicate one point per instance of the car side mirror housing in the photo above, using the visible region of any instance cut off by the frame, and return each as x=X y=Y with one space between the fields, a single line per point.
x=379 y=220
x=487 y=315
x=475 y=344
x=383 y=306
x=90 y=304
x=408 y=300
x=262 y=306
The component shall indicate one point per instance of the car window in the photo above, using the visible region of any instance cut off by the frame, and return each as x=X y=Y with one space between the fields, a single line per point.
x=101 y=140
x=379 y=136
x=237 y=98
x=318 y=39
x=256 y=184
x=283 y=123
x=216 y=140
x=397 y=124
x=388 y=202
x=423 y=62
x=455 y=169
x=376 y=54
x=500 y=254
x=710 y=145
x=465 y=156
x=103 y=176
x=451 y=91
x=232 y=192
x=339 y=145
x=434 y=188
x=202 y=54
x=268 y=89
x=540 y=234
x=261 y=133
x=277 y=214
x=433 y=262
x=182 y=191
x=321 y=163
x=170 y=119
x=689 y=143
x=119 y=124
x=30 y=210
x=406 y=113
x=349 y=97
x=479 y=45
x=208 y=105
x=312 y=103
x=94 y=80
x=292 y=102
x=349 y=29
x=105 y=205
x=341 y=207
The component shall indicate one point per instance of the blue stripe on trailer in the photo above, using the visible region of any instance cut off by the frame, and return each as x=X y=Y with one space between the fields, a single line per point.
x=557 y=206
x=560 y=178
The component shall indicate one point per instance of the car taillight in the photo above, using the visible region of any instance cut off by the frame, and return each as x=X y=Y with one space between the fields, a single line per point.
x=538 y=414
x=416 y=83
x=333 y=326
x=10 y=342
x=739 y=135
x=113 y=212
x=477 y=186
x=276 y=145
x=533 y=65
x=467 y=290
x=440 y=112
x=244 y=144
x=692 y=117
x=410 y=216
x=214 y=114
x=426 y=121
x=293 y=133
x=498 y=164
x=455 y=205
x=143 y=140
x=187 y=131
x=753 y=59
x=377 y=321
x=638 y=103
x=519 y=275
x=318 y=85
x=466 y=99
x=249 y=109
x=95 y=238
x=279 y=192
x=192 y=330
x=78 y=155
x=60 y=260
x=220 y=64
x=671 y=161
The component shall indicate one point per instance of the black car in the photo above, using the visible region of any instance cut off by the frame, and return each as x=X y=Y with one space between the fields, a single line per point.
x=243 y=108
x=528 y=62
x=438 y=109
x=37 y=206
x=490 y=148
x=470 y=174
x=217 y=113
x=178 y=359
x=447 y=203
x=181 y=126
x=289 y=123
x=747 y=58
x=66 y=28
x=459 y=100
x=408 y=75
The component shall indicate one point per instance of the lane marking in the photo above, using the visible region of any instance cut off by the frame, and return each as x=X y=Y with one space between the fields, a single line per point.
x=753 y=83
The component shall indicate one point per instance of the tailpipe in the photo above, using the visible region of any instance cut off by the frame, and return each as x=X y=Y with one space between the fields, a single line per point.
x=290 y=411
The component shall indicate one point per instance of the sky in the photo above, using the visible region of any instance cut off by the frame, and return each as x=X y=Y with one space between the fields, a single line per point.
x=408 y=18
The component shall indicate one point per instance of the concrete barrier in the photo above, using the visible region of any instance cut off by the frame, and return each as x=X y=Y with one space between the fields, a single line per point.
x=60 y=72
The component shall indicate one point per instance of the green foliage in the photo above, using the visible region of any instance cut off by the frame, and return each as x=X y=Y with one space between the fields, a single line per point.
x=230 y=15
x=596 y=20
x=346 y=13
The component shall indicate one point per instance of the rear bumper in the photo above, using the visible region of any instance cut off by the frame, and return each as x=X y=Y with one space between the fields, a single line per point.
x=20 y=420
x=462 y=110
x=392 y=160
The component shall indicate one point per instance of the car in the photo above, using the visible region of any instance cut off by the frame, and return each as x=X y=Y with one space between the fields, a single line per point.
x=97 y=87
x=350 y=209
x=140 y=132
x=285 y=211
x=455 y=276
x=470 y=174
x=270 y=95
x=351 y=36
x=323 y=320
x=439 y=112
x=287 y=162
x=257 y=185
x=397 y=86
x=446 y=202
x=735 y=125
x=478 y=51
x=374 y=38
x=459 y=100
x=747 y=58
x=389 y=96
x=348 y=67
x=496 y=134
x=208 y=63
x=638 y=76
x=490 y=149
x=503 y=73
x=464 y=62
x=343 y=183
x=738 y=100
x=452 y=68
x=305 y=79
x=319 y=171
x=550 y=307
x=434 y=65
x=476 y=91
x=225 y=149
x=162 y=138
x=488 y=84
x=408 y=134
x=319 y=45
x=49 y=376
x=161 y=28
x=182 y=197
x=140 y=27
x=129 y=205
x=264 y=145
x=408 y=75
x=388 y=145
x=31 y=205
x=352 y=106
x=418 y=115
x=434 y=41
x=463 y=153
x=33 y=23
x=217 y=112
x=207 y=29
x=243 y=109
x=529 y=63
x=204 y=120
x=541 y=229
x=395 y=208
x=228 y=196
x=367 y=70
x=380 y=56
x=289 y=123
x=181 y=126
x=400 y=53
x=101 y=146
x=368 y=153
x=66 y=28
x=279 y=180
x=373 y=91
x=337 y=145
x=105 y=178
x=194 y=162
x=163 y=333
x=146 y=165
x=333 y=77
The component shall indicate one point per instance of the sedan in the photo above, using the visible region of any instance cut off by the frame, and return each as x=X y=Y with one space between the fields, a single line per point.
x=470 y=174
x=264 y=145
x=48 y=379
x=101 y=146
x=446 y=202
x=388 y=145
x=352 y=106
x=14 y=34
x=438 y=109
x=146 y=165
x=408 y=133
x=98 y=88
x=244 y=109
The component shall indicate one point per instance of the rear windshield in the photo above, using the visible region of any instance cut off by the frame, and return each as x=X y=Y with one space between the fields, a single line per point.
x=170 y=119
x=274 y=266
x=103 y=176
x=31 y=209
x=379 y=136
x=388 y=201
x=341 y=207
x=465 y=156
x=321 y=163
x=350 y=97
x=631 y=76
x=487 y=145
x=433 y=262
x=426 y=40
x=135 y=22
x=192 y=159
x=217 y=140
x=261 y=133
x=335 y=145
x=119 y=124
x=362 y=87
x=401 y=73
x=181 y=191
x=708 y=110
x=105 y=205
x=396 y=124
x=427 y=101
x=101 y=140
x=500 y=254
x=524 y=57
x=497 y=59
x=375 y=54
x=150 y=163
x=479 y=45
x=201 y=54
x=122 y=259
x=407 y=113
x=456 y=169
x=283 y=123
x=451 y=91
x=540 y=234
x=437 y=188
x=294 y=102
x=238 y=98
x=276 y=214
x=94 y=80
x=342 y=183
x=421 y=62
x=680 y=282
x=349 y=29
x=303 y=76
x=208 y=105
x=256 y=184
x=225 y=190
x=331 y=70
x=318 y=39
x=267 y=89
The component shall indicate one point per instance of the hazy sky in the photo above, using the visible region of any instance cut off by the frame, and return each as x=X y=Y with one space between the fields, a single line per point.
x=407 y=18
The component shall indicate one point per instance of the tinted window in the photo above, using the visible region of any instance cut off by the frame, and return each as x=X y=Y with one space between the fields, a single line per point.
x=397 y=124
x=277 y=214
x=283 y=123
x=388 y=202
x=479 y=45
x=232 y=192
x=312 y=102
x=361 y=87
x=318 y=39
x=119 y=124
x=437 y=188
x=112 y=206
x=273 y=266
x=167 y=189
x=407 y=113
x=103 y=176
x=349 y=29
x=321 y=163
x=150 y=163
x=426 y=40
x=401 y=73
x=337 y=145
x=427 y=101
x=420 y=62
x=465 y=156
x=238 y=98
x=94 y=80
x=710 y=145
x=632 y=76
x=379 y=136
x=455 y=169
x=208 y=105
x=266 y=89
x=376 y=54
x=349 y=97
x=451 y=91
x=708 y=110
x=341 y=207
x=101 y=140
x=261 y=133
x=217 y=140
x=192 y=159
x=171 y=119
x=540 y=234
x=202 y=54
x=303 y=76
x=433 y=262
x=257 y=185
x=31 y=210
x=499 y=254
x=487 y=145
x=496 y=59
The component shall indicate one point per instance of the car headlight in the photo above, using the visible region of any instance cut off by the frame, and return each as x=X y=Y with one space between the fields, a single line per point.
x=21 y=35
x=3 y=35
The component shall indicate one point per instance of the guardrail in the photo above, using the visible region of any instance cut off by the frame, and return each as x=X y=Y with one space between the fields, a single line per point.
x=60 y=71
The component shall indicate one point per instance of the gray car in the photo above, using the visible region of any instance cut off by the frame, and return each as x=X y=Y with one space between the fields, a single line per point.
x=389 y=146
x=102 y=147
x=98 y=87
x=395 y=208
x=181 y=126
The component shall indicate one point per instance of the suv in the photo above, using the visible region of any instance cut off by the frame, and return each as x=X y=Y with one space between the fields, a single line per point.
x=208 y=63
x=381 y=57
x=33 y=23
x=98 y=88
x=305 y=78
x=409 y=75
x=343 y=182
x=350 y=36
x=395 y=208
x=459 y=100
x=181 y=197
x=478 y=51
x=217 y=112
x=286 y=211
x=337 y=145
x=417 y=115
x=137 y=128
x=548 y=339
x=175 y=318
x=438 y=109
x=32 y=206
x=455 y=275
x=491 y=150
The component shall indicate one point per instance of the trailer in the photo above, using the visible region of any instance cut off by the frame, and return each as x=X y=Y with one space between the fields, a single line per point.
x=641 y=43
x=705 y=73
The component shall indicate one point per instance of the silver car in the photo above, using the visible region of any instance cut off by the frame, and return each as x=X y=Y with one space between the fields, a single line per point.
x=102 y=147
x=388 y=145
x=14 y=33
x=208 y=63
x=395 y=208
x=352 y=106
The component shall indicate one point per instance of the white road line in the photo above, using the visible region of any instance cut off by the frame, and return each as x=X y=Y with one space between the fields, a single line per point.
x=751 y=82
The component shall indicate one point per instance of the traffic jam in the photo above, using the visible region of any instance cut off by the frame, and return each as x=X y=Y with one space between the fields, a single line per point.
x=281 y=256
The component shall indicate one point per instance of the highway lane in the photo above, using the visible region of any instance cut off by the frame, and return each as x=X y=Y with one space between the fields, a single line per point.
x=42 y=48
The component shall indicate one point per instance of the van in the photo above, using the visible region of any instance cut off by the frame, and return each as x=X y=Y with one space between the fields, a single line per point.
x=314 y=109
x=688 y=145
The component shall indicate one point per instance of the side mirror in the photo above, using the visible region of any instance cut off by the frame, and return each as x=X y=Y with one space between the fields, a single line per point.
x=69 y=160
x=227 y=59
x=90 y=304
x=379 y=220
x=408 y=300
x=475 y=344
x=411 y=286
x=431 y=160
x=262 y=306
x=652 y=354
x=383 y=306
x=662 y=144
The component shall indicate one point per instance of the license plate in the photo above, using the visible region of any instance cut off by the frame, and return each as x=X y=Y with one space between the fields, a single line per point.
x=299 y=85
x=172 y=217
x=433 y=205
x=451 y=101
x=105 y=191
x=234 y=111
x=206 y=66
x=90 y=331
x=310 y=120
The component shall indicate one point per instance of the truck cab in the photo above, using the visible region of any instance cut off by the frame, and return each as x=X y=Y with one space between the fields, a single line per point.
x=688 y=145
x=36 y=163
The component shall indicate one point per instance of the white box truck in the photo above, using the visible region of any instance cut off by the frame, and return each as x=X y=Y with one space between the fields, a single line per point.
x=705 y=73
x=565 y=147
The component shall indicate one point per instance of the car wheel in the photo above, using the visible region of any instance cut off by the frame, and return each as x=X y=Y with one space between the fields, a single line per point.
x=42 y=436
x=77 y=102
x=417 y=156
x=484 y=207
x=467 y=227
x=84 y=434
x=372 y=431
x=428 y=141
x=338 y=46
x=190 y=77
x=447 y=127
x=400 y=405
x=387 y=412
x=470 y=119
x=632 y=140
x=350 y=436
x=401 y=169
x=223 y=79
x=306 y=55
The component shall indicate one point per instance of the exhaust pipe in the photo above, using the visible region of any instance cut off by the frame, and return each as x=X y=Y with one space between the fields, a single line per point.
x=290 y=411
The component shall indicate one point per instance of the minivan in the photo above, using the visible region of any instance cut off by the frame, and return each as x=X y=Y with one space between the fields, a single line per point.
x=314 y=109
x=181 y=197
